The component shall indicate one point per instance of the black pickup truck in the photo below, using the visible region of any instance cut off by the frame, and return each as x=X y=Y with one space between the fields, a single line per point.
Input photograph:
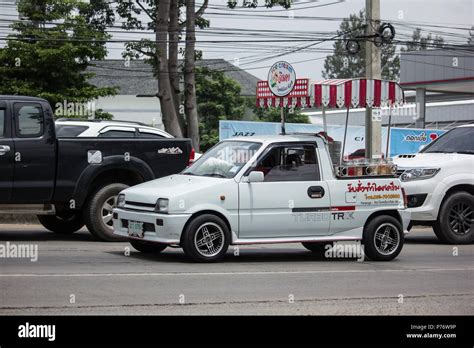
x=72 y=182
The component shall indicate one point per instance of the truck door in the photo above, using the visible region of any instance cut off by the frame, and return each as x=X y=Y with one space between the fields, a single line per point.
x=35 y=153
x=6 y=155
x=292 y=201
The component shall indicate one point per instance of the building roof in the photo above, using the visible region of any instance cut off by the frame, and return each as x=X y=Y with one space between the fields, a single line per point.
x=438 y=70
x=137 y=77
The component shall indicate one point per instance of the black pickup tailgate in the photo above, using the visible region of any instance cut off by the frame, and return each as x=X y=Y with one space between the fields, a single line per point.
x=81 y=159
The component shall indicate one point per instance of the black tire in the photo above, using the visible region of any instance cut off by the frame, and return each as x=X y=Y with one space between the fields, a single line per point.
x=94 y=212
x=148 y=247
x=455 y=224
x=317 y=247
x=376 y=245
x=194 y=233
x=62 y=223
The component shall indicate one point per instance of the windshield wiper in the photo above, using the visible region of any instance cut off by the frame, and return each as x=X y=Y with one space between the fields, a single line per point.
x=466 y=152
x=188 y=173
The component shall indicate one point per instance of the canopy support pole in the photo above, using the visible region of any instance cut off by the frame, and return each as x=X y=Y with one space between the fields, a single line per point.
x=345 y=135
x=282 y=121
x=387 y=155
x=324 y=121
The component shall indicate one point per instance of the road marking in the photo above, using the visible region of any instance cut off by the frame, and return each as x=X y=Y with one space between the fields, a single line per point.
x=196 y=274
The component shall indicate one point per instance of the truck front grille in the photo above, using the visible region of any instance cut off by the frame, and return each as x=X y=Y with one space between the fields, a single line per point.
x=139 y=206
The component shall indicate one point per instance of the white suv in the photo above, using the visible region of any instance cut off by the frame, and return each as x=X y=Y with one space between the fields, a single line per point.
x=266 y=189
x=439 y=182
x=67 y=128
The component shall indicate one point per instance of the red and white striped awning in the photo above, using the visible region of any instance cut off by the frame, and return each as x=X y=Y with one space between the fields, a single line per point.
x=336 y=93
x=300 y=96
x=356 y=93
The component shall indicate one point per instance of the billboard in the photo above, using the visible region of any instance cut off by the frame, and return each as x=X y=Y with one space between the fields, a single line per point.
x=402 y=140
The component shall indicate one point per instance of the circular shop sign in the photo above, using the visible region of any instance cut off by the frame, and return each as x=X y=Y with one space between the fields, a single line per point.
x=281 y=79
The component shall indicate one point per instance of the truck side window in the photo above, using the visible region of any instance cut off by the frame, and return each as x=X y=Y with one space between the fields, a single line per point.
x=117 y=134
x=150 y=135
x=290 y=163
x=2 y=123
x=29 y=120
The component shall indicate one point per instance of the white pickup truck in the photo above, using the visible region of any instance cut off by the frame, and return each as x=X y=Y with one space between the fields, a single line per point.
x=439 y=182
x=266 y=189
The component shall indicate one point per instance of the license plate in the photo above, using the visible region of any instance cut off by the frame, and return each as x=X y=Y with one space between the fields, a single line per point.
x=135 y=229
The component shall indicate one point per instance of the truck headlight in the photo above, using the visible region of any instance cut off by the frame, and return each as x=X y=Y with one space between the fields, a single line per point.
x=162 y=205
x=121 y=200
x=418 y=174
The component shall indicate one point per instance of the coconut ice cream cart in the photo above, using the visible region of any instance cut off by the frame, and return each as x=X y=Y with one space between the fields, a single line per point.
x=341 y=93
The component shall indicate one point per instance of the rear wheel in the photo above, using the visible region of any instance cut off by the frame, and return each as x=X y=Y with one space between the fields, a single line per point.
x=98 y=212
x=456 y=219
x=206 y=239
x=317 y=247
x=148 y=247
x=383 y=238
x=62 y=223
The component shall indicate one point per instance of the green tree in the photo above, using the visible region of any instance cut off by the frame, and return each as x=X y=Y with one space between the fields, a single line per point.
x=218 y=99
x=342 y=64
x=48 y=53
x=163 y=17
x=419 y=42
x=274 y=115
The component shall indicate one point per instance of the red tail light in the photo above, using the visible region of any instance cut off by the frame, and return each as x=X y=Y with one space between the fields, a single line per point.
x=192 y=154
x=405 y=198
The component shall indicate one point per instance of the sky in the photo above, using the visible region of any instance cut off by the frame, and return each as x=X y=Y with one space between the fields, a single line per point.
x=452 y=12
x=254 y=32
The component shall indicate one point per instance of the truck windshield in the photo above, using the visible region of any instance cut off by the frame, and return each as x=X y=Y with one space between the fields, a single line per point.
x=224 y=160
x=457 y=140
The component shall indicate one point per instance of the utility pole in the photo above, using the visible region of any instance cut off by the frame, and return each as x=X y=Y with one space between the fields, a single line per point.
x=373 y=129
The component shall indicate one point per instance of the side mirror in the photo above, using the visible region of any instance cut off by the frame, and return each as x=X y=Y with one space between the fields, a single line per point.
x=255 y=176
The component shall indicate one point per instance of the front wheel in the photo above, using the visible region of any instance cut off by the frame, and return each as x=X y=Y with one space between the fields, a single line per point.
x=206 y=239
x=98 y=212
x=147 y=247
x=383 y=238
x=62 y=223
x=455 y=219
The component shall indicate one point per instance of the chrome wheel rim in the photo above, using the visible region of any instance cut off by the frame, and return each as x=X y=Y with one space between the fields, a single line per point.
x=460 y=218
x=107 y=211
x=209 y=239
x=386 y=239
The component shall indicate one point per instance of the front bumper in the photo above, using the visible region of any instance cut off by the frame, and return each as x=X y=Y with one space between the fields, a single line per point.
x=160 y=228
x=434 y=190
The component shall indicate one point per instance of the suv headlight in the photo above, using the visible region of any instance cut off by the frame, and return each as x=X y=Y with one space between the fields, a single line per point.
x=418 y=174
x=121 y=200
x=162 y=205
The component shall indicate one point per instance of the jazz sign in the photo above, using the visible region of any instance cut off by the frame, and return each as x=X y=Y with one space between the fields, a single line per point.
x=281 y=79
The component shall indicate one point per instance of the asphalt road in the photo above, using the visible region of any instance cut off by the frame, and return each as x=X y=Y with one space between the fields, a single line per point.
x=77 y=275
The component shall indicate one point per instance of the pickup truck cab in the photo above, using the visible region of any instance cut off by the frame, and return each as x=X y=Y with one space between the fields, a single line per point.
x=439 y=182
x=69 y=182
x=266 y=189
